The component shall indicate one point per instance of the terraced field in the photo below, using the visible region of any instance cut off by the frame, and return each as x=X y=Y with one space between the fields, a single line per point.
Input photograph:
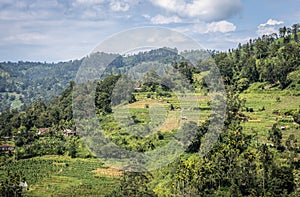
x=63 y=176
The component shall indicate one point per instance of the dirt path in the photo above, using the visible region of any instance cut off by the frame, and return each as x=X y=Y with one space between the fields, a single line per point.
x=112 y=172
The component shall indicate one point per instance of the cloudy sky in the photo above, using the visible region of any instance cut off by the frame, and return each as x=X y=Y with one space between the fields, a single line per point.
x=60 y=30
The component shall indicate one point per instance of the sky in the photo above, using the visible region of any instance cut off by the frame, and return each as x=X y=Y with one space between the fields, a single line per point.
x=63 y=30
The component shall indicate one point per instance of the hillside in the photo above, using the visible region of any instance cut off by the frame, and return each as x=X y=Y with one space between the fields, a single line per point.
x=255 y=152
x=267 y=59
x=27 y=82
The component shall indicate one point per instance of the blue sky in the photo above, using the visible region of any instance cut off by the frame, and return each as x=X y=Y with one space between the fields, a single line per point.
x=61 y=30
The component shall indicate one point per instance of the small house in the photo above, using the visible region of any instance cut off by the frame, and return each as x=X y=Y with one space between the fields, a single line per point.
x=68 y=132
x=24 y=186
x=138 y=89
x=7 y=138
x=183 y=118
x=42 y=131
x=6 y=148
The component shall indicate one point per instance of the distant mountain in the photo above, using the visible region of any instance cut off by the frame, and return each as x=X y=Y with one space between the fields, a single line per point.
x=27 y=82
x=122 y=63
x=269 y=59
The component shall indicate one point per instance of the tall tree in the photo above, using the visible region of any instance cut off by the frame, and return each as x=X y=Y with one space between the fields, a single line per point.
x=275 y=136
x=295 y=30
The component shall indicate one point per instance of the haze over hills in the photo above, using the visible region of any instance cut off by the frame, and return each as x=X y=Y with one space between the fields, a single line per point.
x=28 y=82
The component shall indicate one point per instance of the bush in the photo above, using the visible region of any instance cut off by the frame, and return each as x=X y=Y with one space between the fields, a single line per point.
x=132 y=99
x=171 y=107
x=256 y=87
x=164 y=94
x=243 y=84
x=250 y=109
x=262 y=109
x=160 y=136
x=278 y=99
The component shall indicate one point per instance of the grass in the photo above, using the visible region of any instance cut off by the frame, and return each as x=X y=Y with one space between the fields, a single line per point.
x=90 y=177
x=263 y=102
x=261 y=120
x=65 y=176
x=157 y=110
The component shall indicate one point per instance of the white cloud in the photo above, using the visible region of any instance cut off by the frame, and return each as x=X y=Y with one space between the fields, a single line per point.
x=214 y=27
x=205 y=9
x=214 y=40
x=117 y=6
x=221 y=26
x=33 y=10
x=271 y=22
x=268 y=28
x=159 y=19
x=26 y=38
x=146 y=16
x=89 y=1
x=40 y=30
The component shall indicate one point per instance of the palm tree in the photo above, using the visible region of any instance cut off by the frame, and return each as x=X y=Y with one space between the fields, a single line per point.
x=282 y=31
x=295 y=30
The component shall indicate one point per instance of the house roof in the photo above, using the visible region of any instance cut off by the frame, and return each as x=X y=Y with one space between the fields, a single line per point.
x=7 y=145
x=43 y=129
x=23 y=184
x=68 y=131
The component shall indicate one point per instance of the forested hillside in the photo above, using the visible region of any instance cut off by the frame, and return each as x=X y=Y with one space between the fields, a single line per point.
x=256 y=154
x=271 y=59
x=28 y=82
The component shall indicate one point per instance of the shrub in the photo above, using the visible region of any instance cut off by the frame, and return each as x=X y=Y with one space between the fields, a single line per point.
x=160 y=136
x=278 y=99
x=171 y=107
x=262 y=109
x=243 y=84
x=250 y=109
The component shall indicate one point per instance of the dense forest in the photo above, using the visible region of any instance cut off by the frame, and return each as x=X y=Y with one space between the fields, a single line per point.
x=243 y=162
x=24 y=83
x=272 y=59
x=27 y=82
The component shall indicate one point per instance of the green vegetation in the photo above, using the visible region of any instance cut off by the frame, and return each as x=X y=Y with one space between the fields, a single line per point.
x=25 y=83
x=256 y=154
x=60 y=176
